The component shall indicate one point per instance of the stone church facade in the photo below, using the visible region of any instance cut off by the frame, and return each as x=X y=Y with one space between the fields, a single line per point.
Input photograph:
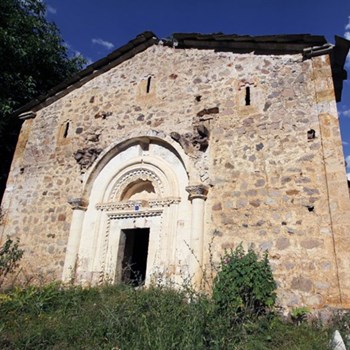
x=166 y=153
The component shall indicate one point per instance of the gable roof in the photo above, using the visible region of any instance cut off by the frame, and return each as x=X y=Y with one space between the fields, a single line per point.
x=308 y=45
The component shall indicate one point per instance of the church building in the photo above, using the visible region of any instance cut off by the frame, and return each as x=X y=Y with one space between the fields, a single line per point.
x=153 y=161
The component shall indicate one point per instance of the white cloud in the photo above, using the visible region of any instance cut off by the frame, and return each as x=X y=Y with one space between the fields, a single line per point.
x=345 y=113
x=51 y=9
x=73 y=52
x=106 y=44
x=347 y=27
x=347 y=63
x=88 y=62
x=347 y=159
x=345 y=143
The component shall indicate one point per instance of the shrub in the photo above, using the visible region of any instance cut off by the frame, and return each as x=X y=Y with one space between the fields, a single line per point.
x=244 y=283
x=10 y=254
x=299 y=314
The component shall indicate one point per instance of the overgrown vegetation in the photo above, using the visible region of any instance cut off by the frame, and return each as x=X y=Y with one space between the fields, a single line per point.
x=122 y=317
x=10 y=255
x=244 y=284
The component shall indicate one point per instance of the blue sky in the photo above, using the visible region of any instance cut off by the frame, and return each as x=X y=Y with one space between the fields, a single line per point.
x=95 y=28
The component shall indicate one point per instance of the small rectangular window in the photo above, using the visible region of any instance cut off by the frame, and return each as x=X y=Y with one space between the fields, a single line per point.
x=66 y=130
x=148 y=84
x=247 y=96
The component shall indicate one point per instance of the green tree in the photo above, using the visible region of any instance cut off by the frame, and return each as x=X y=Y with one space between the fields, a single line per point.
x=33 y=59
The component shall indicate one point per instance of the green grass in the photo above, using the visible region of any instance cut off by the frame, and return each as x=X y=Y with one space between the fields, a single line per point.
x=120 y=317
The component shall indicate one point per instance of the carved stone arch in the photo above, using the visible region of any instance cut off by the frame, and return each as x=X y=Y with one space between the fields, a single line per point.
x=139 y=183
x=134 y=176
x=155 y=170
x=136 y=137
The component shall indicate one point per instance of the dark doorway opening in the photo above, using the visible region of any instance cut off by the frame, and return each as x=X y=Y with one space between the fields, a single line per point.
x=135 y=256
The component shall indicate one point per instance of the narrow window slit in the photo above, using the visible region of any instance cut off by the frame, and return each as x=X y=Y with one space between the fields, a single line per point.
x=247 y=96
x=148 y=84
x=66 y=129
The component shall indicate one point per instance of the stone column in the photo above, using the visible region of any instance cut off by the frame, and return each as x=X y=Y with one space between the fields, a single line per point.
x=197 y=195
x=79 y=207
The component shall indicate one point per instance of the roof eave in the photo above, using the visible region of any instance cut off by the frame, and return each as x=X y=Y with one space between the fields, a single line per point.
x=306 y=44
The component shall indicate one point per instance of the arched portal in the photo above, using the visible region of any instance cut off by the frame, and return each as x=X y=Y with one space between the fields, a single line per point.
x=138 y=211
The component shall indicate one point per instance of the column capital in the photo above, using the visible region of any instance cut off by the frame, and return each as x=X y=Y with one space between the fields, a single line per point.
x=197 y=191
x=78 y=203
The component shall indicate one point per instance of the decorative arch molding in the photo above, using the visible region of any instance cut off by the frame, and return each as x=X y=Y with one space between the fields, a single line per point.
x=132 y=176
x=136 y=137
x=148 y=168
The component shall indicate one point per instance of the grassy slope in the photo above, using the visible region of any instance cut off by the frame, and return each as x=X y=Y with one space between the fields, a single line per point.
x=119 y=317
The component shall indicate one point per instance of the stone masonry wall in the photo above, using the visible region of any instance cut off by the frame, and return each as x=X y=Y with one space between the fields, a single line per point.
x=285 y=186
x=274 y=163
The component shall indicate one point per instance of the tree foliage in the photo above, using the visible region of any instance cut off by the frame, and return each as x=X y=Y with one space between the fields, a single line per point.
x=32 y=54
x=33 y=58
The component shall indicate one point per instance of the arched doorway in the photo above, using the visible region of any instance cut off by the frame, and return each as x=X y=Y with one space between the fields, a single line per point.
x=138 y=216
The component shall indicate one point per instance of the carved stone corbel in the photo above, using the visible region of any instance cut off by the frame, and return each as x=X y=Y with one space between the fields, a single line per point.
x=78 y=203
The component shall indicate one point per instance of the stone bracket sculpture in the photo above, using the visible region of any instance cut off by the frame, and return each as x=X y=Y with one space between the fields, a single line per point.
x=86 y=156
x=193 y=142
